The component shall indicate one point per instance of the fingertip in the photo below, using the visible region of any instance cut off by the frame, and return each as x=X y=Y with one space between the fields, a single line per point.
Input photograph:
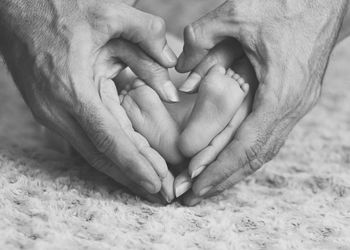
x=157 y=161
x=180 y=65
x=170 y=57
x=190 y=199
x=167 y=189
x=196 y=171
x=169 y=92
x=182 y=183
x=191 y=83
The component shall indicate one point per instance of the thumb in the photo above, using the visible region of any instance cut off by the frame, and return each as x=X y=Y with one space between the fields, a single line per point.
x=148 y=31
x=204 y=34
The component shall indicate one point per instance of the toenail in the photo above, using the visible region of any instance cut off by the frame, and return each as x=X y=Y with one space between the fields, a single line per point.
x=241 y=81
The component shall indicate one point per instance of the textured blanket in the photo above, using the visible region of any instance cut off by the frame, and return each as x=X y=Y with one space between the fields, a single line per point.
x=300 y=200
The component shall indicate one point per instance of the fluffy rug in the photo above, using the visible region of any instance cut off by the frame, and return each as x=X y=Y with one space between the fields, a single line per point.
x=301 y=200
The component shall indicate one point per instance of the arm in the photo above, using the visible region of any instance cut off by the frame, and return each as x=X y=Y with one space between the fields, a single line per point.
x=345 y=28
x=289 y=44
x=52 y=47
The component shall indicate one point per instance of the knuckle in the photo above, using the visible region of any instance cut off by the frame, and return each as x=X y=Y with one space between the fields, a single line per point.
x=252 y=157
x=254 y=165
x=225 y=160
x=157 y=26
x=194 y=36
x=223 y=186
x=103 y=142
x=99 y=162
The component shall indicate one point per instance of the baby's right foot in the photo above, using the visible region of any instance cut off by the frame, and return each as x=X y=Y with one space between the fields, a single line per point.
x=219 y=97
x=149 y=117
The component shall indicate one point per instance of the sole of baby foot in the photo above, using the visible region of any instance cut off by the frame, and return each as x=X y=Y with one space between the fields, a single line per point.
x=150 y=118
x=219 y=98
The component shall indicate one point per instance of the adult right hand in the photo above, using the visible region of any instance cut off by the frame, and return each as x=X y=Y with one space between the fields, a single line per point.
x=52 y=48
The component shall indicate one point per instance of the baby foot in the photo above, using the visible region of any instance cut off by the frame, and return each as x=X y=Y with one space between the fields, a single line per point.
x=243 y=72
x=219 y=97
x=150 y=118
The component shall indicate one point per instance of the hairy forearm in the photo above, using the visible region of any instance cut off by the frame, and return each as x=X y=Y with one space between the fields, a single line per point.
x=35 y=25
x=22 y=19
x=345 y=29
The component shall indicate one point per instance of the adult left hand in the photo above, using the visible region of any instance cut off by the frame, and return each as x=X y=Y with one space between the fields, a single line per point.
x=288 y=43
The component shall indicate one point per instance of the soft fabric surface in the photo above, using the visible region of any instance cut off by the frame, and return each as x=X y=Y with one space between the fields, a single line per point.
x=298 y=201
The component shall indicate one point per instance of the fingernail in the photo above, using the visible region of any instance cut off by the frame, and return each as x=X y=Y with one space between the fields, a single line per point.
x=197 y=172
x=148 y=186
x=167 y=198
x=191 y=83
x=169 y=54
x=205 y=190
x=182 y=188
x=171 y=92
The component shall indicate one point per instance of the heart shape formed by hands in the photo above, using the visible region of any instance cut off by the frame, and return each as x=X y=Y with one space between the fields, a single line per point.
x=191 y=133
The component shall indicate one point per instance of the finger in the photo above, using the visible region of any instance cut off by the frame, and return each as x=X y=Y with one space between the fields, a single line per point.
x=201 y=36
x=167 y=190
x=110 y=139
x=224 y=54
x=125 y=79
x=182 y=183
x=143 y=66
x=153 y=198
x=271 y=148
x=109 y=96
x=244 y=155
x=72 y=132
x=149 y=32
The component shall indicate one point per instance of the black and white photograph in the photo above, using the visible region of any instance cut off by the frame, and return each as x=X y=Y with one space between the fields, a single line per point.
x=175 y=124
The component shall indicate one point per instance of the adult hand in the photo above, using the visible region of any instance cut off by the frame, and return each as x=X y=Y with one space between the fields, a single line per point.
x=53 y=50
x=288 y=43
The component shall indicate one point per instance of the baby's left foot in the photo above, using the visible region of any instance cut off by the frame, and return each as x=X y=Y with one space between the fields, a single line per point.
x=150 y=118
x=244 y=71
x=219 y=97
